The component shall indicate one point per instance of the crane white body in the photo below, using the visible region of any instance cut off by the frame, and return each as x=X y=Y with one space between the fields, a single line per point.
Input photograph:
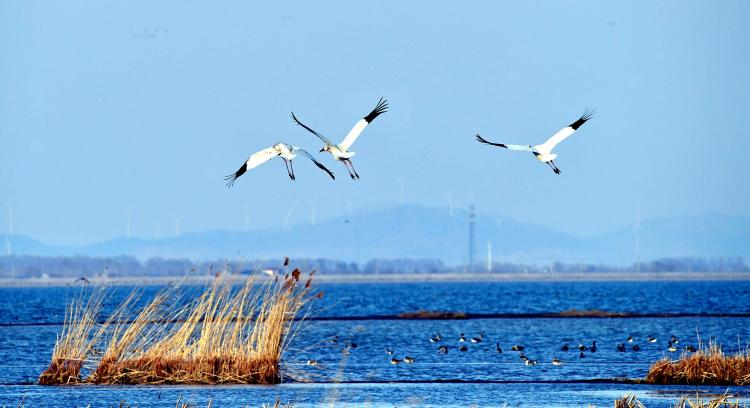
x=340 y=152
x=543 y=152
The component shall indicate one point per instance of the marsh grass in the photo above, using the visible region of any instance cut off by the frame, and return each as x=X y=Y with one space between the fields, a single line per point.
x=226 y=335
x=76 y=344
x=709 y=366
x=630 y=401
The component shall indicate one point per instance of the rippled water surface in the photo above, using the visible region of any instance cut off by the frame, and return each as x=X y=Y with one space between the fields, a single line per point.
x=359 y=314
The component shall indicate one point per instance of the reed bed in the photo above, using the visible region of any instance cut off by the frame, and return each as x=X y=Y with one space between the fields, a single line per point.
x=709 y=366
x=76 y=344
x=722 y=401
x=226 y=335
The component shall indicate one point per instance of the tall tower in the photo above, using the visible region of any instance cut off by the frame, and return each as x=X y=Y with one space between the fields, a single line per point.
x=489 y=256
x=638 y=239
x=472 y=221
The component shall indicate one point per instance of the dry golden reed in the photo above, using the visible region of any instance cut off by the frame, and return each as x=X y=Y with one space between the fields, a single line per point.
x=709 y=366
x=630 y=401
x=226 y=335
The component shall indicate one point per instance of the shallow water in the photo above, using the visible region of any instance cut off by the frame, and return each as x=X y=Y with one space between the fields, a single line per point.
x=30 y=317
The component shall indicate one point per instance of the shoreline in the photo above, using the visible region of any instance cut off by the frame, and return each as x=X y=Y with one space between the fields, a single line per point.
x=400 y=278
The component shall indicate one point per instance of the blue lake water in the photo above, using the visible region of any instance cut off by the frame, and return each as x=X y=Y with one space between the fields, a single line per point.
x=355 y=313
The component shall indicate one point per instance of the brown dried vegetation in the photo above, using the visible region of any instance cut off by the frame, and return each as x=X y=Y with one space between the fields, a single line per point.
x=227 y=335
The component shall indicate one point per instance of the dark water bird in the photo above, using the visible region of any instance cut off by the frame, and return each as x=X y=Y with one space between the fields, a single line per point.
x=593 y=348
x=395 y=360
x=630 y=339
x=556 y=361
x=286 y=151
x=543 y=152
x=671 y=348
x=435 y=339
x=523 y=357
x=443 y=349
x=497 y=348
x=651 y=339
x=334 y=339
x=636 y=348
x=408 y=360
x=463 y=348
x=353 y=345
x=388 y=351
x=530 y=362
x=461 y=338
x=581 y=355
x=340 y=152
x=517 y=348
x=313 y=363
x=690 y=349
x=582 y=347
x=477 y=339
x=565 y=347
x=674 y=339
x=621 y=347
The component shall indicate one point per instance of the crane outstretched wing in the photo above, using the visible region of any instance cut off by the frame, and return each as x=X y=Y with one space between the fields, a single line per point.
x=321 y=137
x=253 y=161
x=566 y=131
x=524 y=148
x=317 y=163
x=353 y=134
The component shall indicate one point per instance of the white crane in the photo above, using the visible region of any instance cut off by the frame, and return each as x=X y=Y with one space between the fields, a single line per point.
x=283 y=150
x=543 y=151
x=341 y=151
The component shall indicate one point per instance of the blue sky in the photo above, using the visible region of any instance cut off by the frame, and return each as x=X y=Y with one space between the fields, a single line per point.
x=113 y=108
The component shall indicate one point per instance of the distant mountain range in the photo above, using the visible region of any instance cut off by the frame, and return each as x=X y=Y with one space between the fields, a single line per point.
x=411 y=231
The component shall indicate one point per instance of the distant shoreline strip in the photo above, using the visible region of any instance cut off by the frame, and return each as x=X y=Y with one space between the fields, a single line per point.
x=458 y=316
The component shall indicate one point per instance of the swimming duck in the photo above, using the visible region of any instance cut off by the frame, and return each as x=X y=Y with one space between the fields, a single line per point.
x=556 y=361
x=435 y=339
x=674 y=339
x=388 y=351
x=395 y=361
x=313 y=363
x=477 y=339
x=443 y=349
x=497 y=348
x=621 y=347
x=581 y=355
x=461 y=338
x=636 y=347
x=463 y=348
x=530 y=362
x=593 y=348
x=651 y=339
x=581 y=347
x=630 y=339
x=517 y=348
x=691 y=349
x=671 y=348
x=408 y=360
x=565 y=347
x=523 y=357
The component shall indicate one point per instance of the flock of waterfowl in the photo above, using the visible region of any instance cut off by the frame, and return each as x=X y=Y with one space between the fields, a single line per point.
x=582 y=348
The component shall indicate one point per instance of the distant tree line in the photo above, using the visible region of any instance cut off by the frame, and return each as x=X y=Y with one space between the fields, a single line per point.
x=23 y=266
